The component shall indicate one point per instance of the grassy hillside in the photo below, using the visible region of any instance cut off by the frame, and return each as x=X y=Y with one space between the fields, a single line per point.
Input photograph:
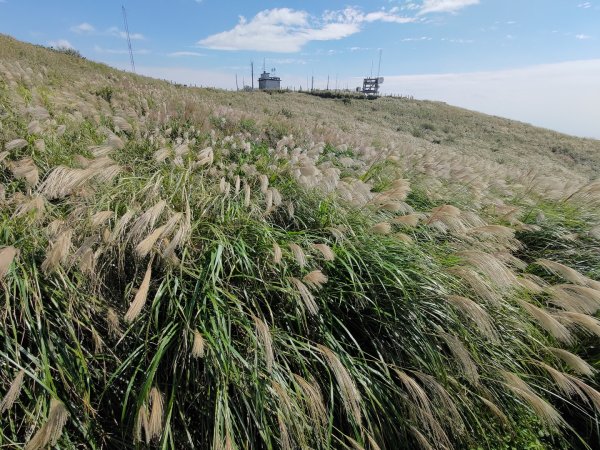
x=195 y=268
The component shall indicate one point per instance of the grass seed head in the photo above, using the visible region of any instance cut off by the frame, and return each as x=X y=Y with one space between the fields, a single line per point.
x=136 y=306
x=13 y=392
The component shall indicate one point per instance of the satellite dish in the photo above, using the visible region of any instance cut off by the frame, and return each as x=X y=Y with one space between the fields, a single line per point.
x=380 y=80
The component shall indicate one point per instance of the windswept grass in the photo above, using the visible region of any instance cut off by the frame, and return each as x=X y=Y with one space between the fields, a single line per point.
x=174 y=277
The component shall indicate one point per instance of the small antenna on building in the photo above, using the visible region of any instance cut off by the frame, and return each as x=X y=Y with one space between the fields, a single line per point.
x=379 y=67
x=128 y=39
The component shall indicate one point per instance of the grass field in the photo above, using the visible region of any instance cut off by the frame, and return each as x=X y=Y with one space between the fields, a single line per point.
x=196 y=268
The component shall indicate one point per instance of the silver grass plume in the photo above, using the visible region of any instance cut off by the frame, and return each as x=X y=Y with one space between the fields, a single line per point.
x=155 y=421
x=7 y=256
x=316 y=279
x=298 y=255
x=50 y=432
x=325 y=251
x=264 y=336
x=476 y=313
x=547 y=322
x=198 y=345
x=13 y=392
x=350 y=395
x=573 y=361
x=541 y=407
x=139 y=300
x=277 y=254
x=306 y=296
x=58 y=252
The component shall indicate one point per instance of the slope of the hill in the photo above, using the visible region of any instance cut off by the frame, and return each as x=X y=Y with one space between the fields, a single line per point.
x=194 y=268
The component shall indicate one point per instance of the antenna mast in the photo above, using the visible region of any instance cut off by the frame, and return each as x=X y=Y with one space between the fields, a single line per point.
x=379 y=67
x=128 y=39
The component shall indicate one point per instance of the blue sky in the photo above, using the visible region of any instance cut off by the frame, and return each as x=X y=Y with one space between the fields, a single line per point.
x=473 y=53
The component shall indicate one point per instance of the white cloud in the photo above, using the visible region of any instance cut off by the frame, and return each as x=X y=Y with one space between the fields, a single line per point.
x=184 y=54
x=582 y=37
x=119 y=51
x=445 y=6
x=61 y=43
x=287 y=30
x=83 y=28
x=114 y=31
x=585 y=5
x=562 y=96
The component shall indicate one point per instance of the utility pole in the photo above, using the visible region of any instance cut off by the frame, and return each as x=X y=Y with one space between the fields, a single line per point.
x=312 y=84
x=237 y=88
x=327 y=81
x=128 y=39
x=252 y=69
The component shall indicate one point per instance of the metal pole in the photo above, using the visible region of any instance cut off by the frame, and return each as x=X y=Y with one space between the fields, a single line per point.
x=128 y=39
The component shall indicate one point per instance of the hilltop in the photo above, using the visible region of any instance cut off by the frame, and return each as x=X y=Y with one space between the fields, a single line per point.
x=196 y=268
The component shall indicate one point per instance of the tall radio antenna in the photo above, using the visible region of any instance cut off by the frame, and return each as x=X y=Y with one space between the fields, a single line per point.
x=128 y=39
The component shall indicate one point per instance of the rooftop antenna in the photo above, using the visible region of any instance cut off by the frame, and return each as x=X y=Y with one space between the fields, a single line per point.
x=128 y=39
x=379 y=67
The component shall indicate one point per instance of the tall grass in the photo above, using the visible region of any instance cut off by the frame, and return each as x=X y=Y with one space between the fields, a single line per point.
x=174 y=283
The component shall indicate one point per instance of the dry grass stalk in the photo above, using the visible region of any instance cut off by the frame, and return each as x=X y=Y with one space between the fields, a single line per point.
x=350 y=394
x=13 y=392
x=306 y=295
x=237 y=184
x=325 y=251
x=547 y=322
x=264 y=336
x=205 y=157
x=277 y=254
x=476 y=313
x=382 y=228
x=113 y=323
x=139 y=300
x=316 y=279
x=7 y=256
x=50 y=432
x=291 y=210
x=58 y=252
x=198 y=345
x=298 y=255
x=573 y=361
